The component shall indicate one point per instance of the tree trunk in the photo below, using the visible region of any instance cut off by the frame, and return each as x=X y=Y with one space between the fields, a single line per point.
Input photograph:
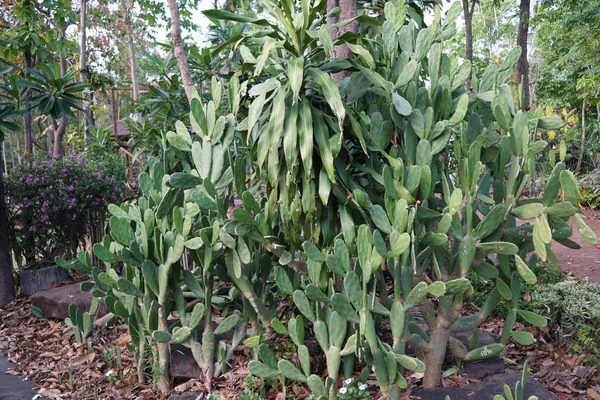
x=582 y=152
x=58 y=150
x=7 y=287
x=468 y=14
x=179 y=49
x=349 y=10
x=27 y=120
x=84 y=73
x=523 y=64
x=135 y=91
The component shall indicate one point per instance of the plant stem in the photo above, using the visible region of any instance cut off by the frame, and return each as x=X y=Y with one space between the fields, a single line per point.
x=435 y=358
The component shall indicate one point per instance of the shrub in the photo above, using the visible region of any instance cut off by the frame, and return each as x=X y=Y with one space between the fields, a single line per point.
x=590 y=189
x=52 y=203
x=567 y=307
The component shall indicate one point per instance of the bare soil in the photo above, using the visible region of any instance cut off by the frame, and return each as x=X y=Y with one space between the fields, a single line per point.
x=584 y=262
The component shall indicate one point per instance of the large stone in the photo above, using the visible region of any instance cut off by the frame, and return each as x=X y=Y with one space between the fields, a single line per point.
x=183 y=365
x=55 y=302
x=484 y=368
x=37 y=280
x=487 y=389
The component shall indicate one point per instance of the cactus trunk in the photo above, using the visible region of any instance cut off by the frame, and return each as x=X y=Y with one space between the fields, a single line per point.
x=435 y=357
x=141 y=359
x=163 y=380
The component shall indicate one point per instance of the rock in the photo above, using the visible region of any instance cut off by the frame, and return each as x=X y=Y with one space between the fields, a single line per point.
x=485 y=338
x=37 y=280
x=484 y=368
x=183 y=365
x=487 y=389
x=55 y=302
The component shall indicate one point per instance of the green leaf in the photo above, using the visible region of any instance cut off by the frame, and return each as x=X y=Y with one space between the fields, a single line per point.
x=105 y=254
x=533 y=318
x=380 y=219
x=259 y=369
x=313 y=252
x=287 y=369
x=295 y=73
x=570 y=187
x=586 y=233
x=523 y=338
x=523 y=270
x=505 y=248
x=227 y=324
x=460 y=112
x=331 y=93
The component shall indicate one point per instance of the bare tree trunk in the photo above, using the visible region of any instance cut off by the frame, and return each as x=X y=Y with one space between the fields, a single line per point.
x=468 y=14
x=84 y=73
x=135 y=90
x=27 y=120
x=349 y=10
x=58 y=149
x=582 y=152
x=179 y=49
x=523 y=64
x=7 y=287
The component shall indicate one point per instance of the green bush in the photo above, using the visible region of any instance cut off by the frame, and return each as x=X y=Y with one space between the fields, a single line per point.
x=53 y=202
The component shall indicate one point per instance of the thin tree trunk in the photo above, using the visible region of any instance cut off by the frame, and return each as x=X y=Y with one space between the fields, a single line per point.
x=582 y=153
x=468 y=14
x=84 y=72
x=58 y=150
x=179 y=49
x=132 y=61
x=523 y=64
x=349 y=10
x=27 y=120
x=7 y=287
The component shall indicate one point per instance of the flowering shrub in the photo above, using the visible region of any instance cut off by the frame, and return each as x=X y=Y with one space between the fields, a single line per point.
x=53 y=203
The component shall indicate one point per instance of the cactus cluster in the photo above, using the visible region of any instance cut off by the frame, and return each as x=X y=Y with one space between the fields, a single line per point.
x=366 y=205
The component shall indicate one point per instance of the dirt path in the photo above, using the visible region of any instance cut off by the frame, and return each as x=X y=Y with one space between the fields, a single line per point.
x=584 y=262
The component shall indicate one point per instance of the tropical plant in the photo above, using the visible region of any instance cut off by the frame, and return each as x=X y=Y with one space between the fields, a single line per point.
x=388 y=175
x=363 y=203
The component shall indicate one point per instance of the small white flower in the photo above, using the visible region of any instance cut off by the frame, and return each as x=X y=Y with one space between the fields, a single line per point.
x=109 y=373
x=343 y=390
x=348 y=381
x=362 y=387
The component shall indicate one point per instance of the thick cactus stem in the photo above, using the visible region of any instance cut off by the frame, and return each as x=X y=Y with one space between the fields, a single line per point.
x=163 y=380
x=435 y=357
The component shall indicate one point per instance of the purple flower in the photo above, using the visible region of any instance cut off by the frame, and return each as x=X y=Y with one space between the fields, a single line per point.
x=71 y=188
x=32 y=228
x=45 y=206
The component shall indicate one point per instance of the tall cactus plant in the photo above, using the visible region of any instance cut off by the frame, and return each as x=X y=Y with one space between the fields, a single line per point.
x=399 y=171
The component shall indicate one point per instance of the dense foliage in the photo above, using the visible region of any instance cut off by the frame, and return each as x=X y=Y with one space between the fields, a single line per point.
x=361 y=203
x=53 y=203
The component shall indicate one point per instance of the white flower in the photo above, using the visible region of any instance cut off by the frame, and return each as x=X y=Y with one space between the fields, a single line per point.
x=109 y=373
x=348 y=381
x=343 y=390
x=362 y=387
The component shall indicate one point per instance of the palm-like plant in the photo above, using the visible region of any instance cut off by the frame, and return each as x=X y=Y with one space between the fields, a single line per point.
x=53 y=93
